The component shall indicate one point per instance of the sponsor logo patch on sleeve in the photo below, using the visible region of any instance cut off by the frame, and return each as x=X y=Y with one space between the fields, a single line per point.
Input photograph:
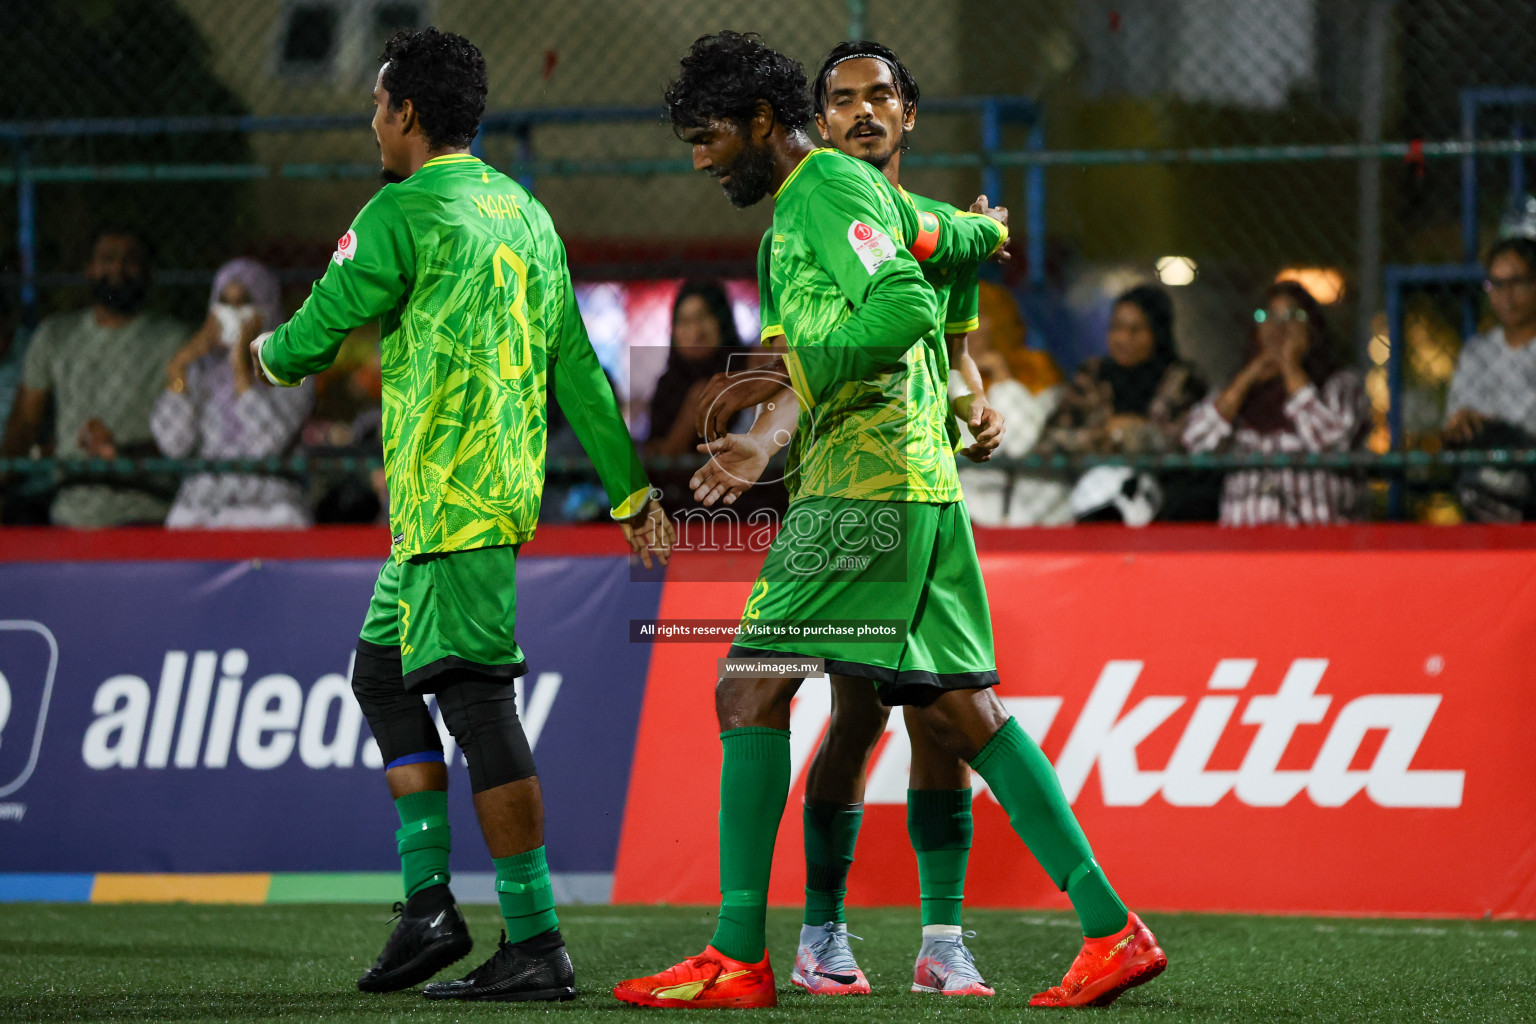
x=346 y=247
x=872 y=246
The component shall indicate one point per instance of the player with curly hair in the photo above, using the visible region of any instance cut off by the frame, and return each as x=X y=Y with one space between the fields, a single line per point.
x=745 y=110
x=463 y=270
x=863 y=345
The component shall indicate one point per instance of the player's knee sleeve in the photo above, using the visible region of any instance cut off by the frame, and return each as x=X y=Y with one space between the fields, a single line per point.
x=404 y=731
x=482 y=716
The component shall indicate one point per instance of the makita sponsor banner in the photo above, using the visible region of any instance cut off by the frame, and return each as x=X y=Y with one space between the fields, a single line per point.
x=198 y=716
x=1325 y=731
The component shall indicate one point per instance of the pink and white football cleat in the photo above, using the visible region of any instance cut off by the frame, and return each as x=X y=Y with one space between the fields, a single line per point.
x=945 y=967
x=824 y=963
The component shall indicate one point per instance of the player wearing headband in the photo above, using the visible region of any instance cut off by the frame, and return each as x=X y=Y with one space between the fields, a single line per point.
x=866 y=103
x=864 y=346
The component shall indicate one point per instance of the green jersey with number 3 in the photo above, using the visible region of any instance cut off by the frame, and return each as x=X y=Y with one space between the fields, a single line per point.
x=463 y=270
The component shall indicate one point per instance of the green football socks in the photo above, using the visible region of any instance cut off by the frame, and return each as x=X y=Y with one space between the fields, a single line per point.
x=939 y=824
x=1022 y=779
x=754 y=783
x=422 y=840
x=831 y=831
x=523 y=890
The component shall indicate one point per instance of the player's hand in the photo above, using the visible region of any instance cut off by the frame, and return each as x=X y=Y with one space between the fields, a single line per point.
x=254 y=347
x=726 y=394
x=999 y=214
x=986 y=426
x=736 y=462
x=240 y=354
x=650 y=533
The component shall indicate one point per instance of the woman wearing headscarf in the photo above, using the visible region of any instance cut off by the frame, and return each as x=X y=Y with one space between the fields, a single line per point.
x=1291 y=396
x=1134 y=401
x=213 y=408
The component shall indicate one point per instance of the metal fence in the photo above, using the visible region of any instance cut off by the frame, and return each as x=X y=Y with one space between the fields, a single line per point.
x=1371 y=148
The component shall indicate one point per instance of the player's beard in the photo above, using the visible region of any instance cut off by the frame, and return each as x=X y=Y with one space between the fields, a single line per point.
x=751 y=175
x=390 y=177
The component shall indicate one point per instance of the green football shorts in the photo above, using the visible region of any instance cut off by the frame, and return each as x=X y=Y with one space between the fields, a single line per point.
x=887 y=591
x=447 y=611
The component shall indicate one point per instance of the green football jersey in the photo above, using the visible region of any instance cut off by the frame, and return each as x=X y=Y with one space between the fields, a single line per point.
x=874 y=424
x=463 y=270
x=956 y=285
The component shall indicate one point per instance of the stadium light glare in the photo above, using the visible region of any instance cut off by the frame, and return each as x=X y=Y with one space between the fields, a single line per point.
x=1176 y=271
x=1325 y=283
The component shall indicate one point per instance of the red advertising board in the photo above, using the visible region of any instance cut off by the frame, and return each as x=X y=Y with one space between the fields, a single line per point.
x=1318 y=730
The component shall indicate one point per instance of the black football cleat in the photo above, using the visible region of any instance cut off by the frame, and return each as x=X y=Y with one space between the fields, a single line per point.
x=430 y=936
x=532 y=970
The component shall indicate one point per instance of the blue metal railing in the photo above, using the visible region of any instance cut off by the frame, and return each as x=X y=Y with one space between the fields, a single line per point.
x=520 y=125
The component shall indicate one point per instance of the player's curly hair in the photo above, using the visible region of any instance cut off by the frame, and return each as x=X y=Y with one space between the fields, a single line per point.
x=725 y=75
x=905 y=83
x=443 y=75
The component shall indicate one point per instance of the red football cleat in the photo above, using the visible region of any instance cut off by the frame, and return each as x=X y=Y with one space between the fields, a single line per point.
x=1107 y=967
x=710 y=980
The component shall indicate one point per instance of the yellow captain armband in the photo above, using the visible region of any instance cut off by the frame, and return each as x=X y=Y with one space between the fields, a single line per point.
x=264 y=370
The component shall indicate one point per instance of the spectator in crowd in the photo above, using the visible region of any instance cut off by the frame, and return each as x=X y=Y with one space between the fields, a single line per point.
x=1291 y=396
x=213 y=408
x=1134 y=401
x=1022 y=384
x=704 y=338
x=1492 y=400
x=103 y=368
x=13 y=350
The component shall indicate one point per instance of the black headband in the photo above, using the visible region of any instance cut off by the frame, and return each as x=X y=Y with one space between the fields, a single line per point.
x=895 y=75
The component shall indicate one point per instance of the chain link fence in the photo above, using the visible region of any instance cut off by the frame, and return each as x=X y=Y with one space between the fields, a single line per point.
x=1369 y=149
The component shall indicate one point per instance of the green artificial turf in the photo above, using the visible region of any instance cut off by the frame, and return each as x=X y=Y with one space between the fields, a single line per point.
x=64 y=962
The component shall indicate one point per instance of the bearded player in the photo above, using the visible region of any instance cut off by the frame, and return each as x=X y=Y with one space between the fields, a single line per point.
x=463 y=270
x=863 y=346
x=866 y=104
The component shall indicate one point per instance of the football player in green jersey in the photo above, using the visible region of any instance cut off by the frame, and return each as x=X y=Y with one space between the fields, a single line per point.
x=468 y=280
x=875 y=463
x=866 y=103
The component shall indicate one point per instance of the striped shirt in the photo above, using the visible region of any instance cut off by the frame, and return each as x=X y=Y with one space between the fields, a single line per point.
x=1333 y=418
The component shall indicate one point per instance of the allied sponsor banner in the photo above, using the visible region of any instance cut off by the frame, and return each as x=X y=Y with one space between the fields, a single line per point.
x=1325 y=731
x=1317 y=729
x=198 y=716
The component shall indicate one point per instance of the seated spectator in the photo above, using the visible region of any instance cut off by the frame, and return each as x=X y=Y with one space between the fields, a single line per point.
x=13 y=350
x=1022 y=384
x=1134 y=401
x=103 y=368
x=1492 y=401
x=212 y=408
x=704 y=338
x=1291 y=396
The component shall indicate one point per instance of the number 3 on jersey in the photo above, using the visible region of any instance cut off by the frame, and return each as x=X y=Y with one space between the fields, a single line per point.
x=512 y=356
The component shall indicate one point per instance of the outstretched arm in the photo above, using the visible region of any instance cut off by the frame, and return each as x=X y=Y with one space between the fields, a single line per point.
x=587 y=399
x=370 y=272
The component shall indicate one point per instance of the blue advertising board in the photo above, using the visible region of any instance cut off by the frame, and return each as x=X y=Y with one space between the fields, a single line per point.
x=197 y=716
